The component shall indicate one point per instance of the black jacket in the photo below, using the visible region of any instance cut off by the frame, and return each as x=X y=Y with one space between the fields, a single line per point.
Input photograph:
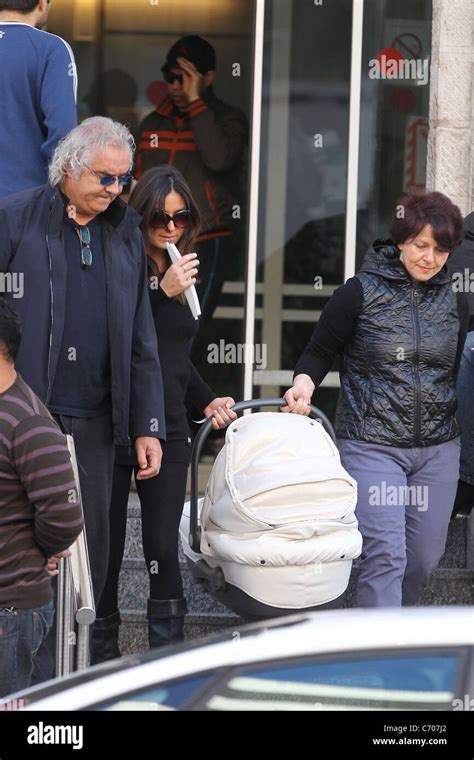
x=31 y=246
x=461 y=266
x=401 y=345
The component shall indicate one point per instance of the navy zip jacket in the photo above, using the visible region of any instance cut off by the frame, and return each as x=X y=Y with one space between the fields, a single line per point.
x=31 y=251
x=38 y=85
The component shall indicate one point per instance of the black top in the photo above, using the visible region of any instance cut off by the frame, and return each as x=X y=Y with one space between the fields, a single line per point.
x=175 y=328
x=82 y=382
x=336 y=325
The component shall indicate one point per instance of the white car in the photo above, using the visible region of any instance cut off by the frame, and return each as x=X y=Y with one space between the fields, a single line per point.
x=363 y=659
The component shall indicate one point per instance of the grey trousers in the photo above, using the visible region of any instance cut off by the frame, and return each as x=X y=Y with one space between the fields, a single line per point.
x=95 y=452
x=405 y=498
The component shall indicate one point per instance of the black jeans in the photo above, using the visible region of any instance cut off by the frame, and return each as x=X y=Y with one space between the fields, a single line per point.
x=95 y=451
x=161 y=501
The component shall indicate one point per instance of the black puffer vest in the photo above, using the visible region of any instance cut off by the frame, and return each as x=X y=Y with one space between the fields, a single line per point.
x=397 y=381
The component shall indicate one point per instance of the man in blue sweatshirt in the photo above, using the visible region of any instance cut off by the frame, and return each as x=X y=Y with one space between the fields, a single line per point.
x=38 y=91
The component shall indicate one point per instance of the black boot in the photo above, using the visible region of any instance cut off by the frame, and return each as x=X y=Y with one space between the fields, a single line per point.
x=165 y=621
x=105 y=639
x=464 y=499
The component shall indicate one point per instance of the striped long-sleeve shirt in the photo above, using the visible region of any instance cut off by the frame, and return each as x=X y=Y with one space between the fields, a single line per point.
x=40 y=510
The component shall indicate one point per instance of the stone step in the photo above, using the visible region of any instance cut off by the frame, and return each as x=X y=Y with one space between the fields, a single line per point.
x=453 y=585
x=206 y=615
x=134 y=590
x=134 y=632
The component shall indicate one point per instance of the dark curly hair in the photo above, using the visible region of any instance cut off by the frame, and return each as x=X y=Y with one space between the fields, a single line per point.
x=417 y=209
x=10 y=330
x=20 y=6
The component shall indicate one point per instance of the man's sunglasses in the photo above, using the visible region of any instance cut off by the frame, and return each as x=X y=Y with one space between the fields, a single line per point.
x=86 y=253
x=161 y=219
x=170 y=77
x=108 y=179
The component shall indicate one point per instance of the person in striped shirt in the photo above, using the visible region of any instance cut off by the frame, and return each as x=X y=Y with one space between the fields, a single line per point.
x=40 y=512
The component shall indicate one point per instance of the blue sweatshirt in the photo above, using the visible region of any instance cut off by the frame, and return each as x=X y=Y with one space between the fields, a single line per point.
x=38 y=92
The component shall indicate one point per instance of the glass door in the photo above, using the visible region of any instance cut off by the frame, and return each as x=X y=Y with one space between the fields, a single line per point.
x=303 y=180
x=306 y=244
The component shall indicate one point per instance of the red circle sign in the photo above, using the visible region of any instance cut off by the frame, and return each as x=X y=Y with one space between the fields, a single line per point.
x=385 y=56
x=156 y=92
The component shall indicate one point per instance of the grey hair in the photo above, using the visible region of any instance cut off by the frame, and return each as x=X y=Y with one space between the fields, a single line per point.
x=75 y=151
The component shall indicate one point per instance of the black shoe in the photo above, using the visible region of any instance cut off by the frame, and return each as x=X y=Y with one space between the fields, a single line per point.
x=105 y=639
x=464 y=499
x=165 y=621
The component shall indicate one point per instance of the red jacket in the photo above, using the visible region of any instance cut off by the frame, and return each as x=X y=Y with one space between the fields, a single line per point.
x=208 y=146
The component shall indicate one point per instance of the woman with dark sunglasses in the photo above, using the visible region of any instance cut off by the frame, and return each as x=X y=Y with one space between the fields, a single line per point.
x=169 y=215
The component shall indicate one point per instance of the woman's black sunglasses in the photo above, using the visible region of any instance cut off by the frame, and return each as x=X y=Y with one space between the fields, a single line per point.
x=161 y=219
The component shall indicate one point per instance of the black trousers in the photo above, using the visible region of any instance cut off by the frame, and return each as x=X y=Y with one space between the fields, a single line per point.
x=95 y=451
x=161 y=501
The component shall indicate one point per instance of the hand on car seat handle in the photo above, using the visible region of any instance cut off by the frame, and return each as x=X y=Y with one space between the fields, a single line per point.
x=298 y=397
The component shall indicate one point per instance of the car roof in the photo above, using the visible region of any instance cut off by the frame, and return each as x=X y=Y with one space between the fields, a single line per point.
x=319 y=633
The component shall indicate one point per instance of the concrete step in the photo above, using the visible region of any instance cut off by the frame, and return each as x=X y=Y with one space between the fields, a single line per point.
x=134 y=590
x=134 y=632
x=206 y=615
x=447 y=586
x=451 y=584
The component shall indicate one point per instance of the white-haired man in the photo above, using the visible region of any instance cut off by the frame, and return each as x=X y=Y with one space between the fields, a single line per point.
x=89 y=346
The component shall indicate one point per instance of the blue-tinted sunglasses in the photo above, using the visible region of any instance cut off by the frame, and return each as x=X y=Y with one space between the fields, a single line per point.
x=108 y=179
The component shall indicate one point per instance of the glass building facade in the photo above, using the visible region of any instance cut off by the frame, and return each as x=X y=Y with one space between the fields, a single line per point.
x=307 y=79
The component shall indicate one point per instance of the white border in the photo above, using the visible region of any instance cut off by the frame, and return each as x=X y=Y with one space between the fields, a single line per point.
x=254 y=192
x=354 y=141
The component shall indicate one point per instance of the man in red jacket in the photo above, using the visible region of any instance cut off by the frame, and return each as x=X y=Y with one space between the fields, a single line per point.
x=206 y=140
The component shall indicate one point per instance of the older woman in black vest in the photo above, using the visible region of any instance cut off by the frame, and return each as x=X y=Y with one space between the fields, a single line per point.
x=400 y=329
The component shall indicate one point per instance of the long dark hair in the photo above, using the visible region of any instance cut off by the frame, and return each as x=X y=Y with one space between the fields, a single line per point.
x=151 y=192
